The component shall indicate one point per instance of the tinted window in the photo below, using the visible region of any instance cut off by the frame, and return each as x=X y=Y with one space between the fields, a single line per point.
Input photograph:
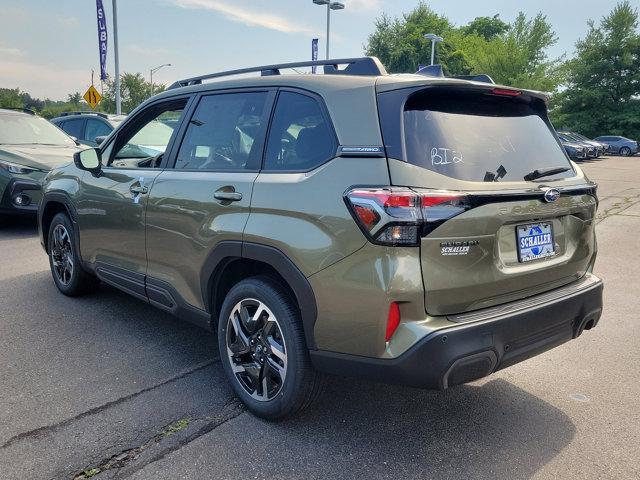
x=300 y=137
x=96 y=128
x=472 y=135
x=224 y=133
x=74 y=127
x=143 y=144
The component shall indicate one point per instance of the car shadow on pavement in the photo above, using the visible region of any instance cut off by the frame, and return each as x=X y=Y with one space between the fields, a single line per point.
x=116 y=345
x=495 y=430
x=18 y=227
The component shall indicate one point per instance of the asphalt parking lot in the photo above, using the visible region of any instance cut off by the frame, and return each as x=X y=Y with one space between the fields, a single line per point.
x=110 y=386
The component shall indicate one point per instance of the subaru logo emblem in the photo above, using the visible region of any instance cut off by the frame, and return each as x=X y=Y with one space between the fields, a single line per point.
x=551 y=195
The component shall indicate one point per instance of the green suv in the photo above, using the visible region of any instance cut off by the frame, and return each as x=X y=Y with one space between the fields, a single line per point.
x=413 y=229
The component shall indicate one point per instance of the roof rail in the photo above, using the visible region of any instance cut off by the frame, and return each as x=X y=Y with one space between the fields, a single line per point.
x=437 y=72
x=83 y=112
x=354 y=66
x=20 y=109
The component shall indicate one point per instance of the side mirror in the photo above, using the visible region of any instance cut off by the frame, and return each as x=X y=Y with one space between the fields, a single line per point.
x=100 y=139
x=89 y=160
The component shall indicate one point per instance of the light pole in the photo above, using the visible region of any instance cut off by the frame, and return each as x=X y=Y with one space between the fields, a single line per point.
x=116 y=58
x=330 y=6
x=434 y=39
x=153 y=70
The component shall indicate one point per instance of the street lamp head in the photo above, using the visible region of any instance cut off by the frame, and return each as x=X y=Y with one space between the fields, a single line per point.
x=336 y=6
x=321 y=2
x=433 y=37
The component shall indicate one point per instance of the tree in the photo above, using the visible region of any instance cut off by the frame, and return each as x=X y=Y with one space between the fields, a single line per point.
x=134 y=90
x=11 y=98
x=518 y=56
x=602 y=93
x=401 y=45
x=513 y=54
x=486 y=27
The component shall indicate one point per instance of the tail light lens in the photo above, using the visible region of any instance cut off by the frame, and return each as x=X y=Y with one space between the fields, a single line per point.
x=400 y=216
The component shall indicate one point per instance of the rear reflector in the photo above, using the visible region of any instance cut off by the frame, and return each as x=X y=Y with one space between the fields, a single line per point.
x=393 y=320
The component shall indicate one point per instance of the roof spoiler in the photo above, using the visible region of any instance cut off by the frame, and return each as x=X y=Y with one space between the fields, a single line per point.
x=436 y=71
x=366 y=66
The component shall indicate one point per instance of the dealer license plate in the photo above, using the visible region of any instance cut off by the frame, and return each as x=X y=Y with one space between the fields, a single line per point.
x=535 y=241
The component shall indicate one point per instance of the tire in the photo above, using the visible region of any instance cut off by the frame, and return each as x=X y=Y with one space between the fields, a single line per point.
x=64 y=259
x=625 y=151
x=267 y=341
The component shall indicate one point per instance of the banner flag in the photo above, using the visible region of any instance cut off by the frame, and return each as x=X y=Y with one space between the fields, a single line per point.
x=102 y=39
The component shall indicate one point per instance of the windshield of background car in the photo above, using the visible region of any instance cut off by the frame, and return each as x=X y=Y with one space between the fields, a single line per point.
x=155 y=135
x=18 y=129
x=478 y=136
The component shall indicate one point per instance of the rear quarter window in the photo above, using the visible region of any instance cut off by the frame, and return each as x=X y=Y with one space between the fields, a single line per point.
x=473 y=135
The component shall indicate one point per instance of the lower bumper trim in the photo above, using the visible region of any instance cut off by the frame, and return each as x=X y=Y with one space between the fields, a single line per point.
x=468 y=351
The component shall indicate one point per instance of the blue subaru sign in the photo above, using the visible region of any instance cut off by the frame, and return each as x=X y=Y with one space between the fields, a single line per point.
x=102 y=38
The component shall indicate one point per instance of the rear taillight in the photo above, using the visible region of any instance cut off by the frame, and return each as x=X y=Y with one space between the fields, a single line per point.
x=400 y=216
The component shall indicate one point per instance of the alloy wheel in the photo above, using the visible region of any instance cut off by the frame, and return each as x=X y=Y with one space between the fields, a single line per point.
x=62 y=255
x=626 y=151
x=256 y=349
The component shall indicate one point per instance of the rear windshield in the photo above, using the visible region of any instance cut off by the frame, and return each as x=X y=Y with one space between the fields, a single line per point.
x=476 y=136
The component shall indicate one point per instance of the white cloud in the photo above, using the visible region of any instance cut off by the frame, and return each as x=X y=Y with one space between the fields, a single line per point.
x=12 y=52
x=247 y=17
x=363 y=5
x=68 y=21
x=42 y=80
x=146 y=51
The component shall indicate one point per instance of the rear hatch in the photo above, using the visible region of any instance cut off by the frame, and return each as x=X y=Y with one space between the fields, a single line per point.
x=507 y=214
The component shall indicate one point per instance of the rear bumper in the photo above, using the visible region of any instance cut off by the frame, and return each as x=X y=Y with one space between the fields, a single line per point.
x=489 y=340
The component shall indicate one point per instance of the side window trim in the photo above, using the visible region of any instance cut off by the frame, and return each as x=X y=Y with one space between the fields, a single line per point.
x=132 y=123
x=325 y=114
x=261 y=138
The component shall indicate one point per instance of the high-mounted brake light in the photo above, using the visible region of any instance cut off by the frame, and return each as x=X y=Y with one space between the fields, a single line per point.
x=400 y=216
x=507 y=92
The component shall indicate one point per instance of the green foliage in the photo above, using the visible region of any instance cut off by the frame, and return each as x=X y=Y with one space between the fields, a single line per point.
x=602 y=94
x=134 y=90
x=486 y=27
x=512 y=54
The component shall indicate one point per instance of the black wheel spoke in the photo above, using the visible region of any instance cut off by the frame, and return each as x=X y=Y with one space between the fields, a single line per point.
x=256 y=349
x=62 y=255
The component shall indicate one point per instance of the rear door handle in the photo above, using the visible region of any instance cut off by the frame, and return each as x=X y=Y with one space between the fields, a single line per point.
x=227 y=195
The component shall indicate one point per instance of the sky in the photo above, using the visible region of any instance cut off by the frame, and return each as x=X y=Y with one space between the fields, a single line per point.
x=49 y=47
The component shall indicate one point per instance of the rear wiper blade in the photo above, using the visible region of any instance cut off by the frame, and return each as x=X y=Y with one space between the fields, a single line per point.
x=545 y=172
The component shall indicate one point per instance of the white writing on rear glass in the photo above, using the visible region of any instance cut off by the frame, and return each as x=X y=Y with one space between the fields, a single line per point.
x=445 y=156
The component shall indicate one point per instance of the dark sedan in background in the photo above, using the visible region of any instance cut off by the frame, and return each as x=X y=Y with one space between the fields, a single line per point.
x=87 y=126
x=619 y=145
x=601 y=148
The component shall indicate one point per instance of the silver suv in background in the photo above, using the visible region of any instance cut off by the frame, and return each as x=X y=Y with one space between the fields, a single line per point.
x=619 y=145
